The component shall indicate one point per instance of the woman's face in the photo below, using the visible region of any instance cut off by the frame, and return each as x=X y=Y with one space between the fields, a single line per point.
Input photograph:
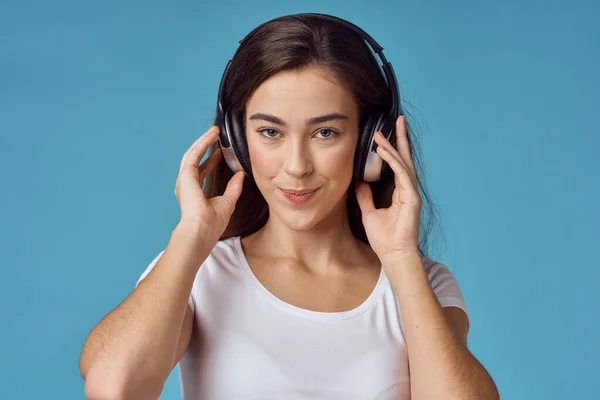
x=288 y=151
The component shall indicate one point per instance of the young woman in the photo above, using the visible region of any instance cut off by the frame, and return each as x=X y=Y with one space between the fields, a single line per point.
x=287 y=277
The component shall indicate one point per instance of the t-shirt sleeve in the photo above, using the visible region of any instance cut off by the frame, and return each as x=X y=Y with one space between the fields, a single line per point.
x=445 y=286
x=149 y=268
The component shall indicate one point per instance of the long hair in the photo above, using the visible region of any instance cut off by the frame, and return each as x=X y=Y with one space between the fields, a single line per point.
x=292 y=43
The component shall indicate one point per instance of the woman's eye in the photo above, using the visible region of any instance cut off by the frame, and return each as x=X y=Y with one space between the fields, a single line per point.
x=268 y=135
x=331 y=133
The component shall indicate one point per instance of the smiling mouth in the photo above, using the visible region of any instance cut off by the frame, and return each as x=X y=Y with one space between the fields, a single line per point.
x=304 y=197
x=299 y=192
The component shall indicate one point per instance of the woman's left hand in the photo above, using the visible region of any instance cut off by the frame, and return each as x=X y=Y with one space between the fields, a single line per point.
x=394 y=231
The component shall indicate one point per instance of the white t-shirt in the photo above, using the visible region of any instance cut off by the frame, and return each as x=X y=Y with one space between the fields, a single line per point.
x=249 y=344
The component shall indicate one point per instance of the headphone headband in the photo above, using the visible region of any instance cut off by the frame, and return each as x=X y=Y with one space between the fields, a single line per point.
x=368 y=165
x=388 y=69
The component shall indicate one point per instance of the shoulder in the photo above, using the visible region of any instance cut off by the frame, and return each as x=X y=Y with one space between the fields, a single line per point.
x=226 y=250
x=443 y=282
x=438 y=272
x=449 y=294
x=223 y=253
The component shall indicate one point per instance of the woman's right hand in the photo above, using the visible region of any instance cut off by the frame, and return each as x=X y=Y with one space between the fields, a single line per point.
x=211 y=215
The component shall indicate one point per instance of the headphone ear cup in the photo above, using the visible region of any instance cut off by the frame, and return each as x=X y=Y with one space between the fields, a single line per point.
x=238 y=140
x=362 y=147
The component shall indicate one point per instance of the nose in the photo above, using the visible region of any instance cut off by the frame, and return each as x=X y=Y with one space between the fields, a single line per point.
x=298 y=160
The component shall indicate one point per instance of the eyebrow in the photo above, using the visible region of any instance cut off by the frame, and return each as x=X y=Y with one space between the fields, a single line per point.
x=310 y=121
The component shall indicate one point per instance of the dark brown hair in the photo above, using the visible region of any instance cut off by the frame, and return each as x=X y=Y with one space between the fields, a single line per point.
x=294 y=43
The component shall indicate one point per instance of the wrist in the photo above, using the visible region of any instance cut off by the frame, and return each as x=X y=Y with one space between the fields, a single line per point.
x=195 y=232
x=394 y=259
x=187 y=248
x=405 y=269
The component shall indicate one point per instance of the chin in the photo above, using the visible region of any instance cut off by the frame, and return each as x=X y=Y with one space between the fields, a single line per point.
x=304 y=219
x=301 y=224
x=298 y=220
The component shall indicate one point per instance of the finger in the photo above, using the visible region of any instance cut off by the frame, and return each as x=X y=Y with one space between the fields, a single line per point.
x=197 y=152
x=211 y=162
x=364 y=197
x=402 y=143
x=187 y=152
x=185 y=155
x=206 y=136
x=209 y=136
x=383 y=142
x=402 y=176
x=234 y=188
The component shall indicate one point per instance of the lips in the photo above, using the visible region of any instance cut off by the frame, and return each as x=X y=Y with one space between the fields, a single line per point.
x=299 y=199
x=299 y=192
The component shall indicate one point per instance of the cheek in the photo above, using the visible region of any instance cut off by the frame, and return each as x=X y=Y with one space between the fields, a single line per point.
x=339 y=162
x=263 y=162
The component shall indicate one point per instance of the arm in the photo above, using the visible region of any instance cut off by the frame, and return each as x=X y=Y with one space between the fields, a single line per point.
x=132 y=350
x=441 y=366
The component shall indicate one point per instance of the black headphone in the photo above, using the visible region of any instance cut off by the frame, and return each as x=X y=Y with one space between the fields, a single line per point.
x=368 y=166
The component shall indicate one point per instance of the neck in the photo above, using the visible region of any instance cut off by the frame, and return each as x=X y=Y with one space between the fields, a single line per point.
x=326 y=247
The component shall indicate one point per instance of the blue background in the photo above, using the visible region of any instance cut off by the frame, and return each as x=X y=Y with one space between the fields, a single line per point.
x=99 y=101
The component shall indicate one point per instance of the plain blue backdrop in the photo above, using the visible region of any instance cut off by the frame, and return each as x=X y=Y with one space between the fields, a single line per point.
x=99 y=101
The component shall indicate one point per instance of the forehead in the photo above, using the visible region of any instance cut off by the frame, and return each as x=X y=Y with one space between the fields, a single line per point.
x=302 y=94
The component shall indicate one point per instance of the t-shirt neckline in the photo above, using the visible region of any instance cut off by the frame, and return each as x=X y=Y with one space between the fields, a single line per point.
x=311 y=314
